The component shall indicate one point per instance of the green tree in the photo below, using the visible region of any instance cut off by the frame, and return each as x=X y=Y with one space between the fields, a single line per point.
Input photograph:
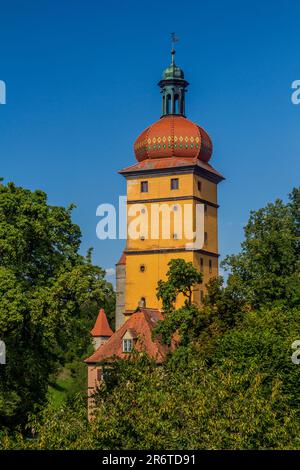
x=182 y=277
x=267 y=269
x=46 y=288
x=191 y=406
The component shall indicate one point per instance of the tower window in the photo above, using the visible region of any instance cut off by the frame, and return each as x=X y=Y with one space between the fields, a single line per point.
x=142 y=268
x=201 y=264
x=175 y=236
x=210 y=265
x=127 y=345
x=174 y=183
x=199 y=186
x=144 y=186
x=205 y=237
x=168 y=107
x=176 y=104
x=201 y=295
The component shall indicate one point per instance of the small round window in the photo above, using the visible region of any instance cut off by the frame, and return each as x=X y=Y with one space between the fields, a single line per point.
x=142 y=268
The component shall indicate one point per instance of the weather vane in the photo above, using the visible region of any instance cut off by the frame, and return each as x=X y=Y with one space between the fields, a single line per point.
x=174 y=39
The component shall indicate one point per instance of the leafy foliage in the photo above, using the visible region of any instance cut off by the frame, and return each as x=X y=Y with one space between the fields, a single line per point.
x=46 y=289
x=230 y=384
x=267 y=269
x=182 y=277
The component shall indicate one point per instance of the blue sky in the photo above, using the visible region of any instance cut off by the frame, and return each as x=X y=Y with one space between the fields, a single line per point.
x=82 y=79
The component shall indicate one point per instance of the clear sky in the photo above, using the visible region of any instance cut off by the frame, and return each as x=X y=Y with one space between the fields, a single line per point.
x=82 y=77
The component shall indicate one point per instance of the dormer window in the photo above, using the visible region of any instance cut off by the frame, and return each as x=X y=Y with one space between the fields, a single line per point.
x=127 y=345
x=129 y=339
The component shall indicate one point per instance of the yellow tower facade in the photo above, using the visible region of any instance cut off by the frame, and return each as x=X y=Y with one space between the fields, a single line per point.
x=172 y=204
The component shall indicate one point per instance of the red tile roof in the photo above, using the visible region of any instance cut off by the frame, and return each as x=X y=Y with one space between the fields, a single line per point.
x=101 y=327
x=171 y=162
x=122 y=260
x=143 y=323
x=173 y=136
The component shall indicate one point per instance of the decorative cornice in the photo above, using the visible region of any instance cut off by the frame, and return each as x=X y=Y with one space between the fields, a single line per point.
x=174 y=170
x=170 y=250
x=175 y=198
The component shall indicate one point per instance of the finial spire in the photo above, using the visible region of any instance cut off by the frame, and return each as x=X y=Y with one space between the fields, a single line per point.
x=174 y=39
x=173 y=56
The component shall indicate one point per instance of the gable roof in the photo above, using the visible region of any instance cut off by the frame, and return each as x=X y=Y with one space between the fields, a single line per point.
x=101 y=327
x=142 y=323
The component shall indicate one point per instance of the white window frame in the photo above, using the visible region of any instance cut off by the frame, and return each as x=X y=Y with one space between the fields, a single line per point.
x=127 y=345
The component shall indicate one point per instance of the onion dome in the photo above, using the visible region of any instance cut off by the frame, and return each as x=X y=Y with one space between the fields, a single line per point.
x=101 y=327
x=173 y=135
x=173 y=72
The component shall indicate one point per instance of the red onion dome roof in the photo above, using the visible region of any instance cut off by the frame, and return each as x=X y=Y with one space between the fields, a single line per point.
x=173 y=136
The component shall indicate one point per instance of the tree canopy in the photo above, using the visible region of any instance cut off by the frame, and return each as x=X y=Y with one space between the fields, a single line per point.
x=46 y=289
x=267 y=268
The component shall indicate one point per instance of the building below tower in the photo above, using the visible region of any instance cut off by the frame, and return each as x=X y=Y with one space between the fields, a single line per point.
x=171 y=196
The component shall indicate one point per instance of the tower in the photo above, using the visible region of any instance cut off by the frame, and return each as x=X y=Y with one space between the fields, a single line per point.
x=172 y=177
x=120 y=290
x=101 y=331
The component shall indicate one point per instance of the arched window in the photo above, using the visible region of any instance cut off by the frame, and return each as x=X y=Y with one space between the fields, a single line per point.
x=176 y=104
x=168 y=107
x=181 y=103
